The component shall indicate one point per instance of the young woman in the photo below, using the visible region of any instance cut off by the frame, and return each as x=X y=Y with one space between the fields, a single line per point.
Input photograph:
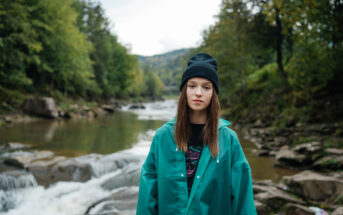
x=196 y=164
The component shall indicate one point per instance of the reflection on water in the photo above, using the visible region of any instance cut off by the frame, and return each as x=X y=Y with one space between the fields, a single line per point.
x=262 y=167
x=104 y=135
x=111 y=133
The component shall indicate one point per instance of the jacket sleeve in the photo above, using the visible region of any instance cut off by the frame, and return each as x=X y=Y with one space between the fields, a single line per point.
x=147 y=196
x=242 y=191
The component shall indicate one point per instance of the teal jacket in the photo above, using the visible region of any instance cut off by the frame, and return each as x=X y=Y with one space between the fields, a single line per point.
x=222 y=185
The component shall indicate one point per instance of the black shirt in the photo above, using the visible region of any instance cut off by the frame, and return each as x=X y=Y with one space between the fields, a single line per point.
x=195 y=145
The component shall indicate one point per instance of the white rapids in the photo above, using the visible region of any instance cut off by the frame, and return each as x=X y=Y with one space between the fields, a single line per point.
x=73 y=198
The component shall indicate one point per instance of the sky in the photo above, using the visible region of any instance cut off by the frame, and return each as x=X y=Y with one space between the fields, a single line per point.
x=150 y=27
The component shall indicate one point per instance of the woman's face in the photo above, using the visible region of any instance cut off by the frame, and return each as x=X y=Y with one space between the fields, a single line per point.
x=199 y=93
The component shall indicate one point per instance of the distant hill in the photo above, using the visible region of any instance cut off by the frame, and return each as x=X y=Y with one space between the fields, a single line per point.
x=168 y=66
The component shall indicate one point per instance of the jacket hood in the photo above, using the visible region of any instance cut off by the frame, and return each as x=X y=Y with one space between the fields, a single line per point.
x=222 y=122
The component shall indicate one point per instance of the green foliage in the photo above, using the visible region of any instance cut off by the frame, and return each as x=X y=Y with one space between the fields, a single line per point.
x=12 y=97
x=114 y=69
x=169 y=66
x=279 y=59
x=153 y=86
x=264 y=78
x=65 y=47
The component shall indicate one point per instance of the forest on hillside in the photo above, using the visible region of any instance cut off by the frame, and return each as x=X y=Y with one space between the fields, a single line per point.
x=168 y=66
x=279 y=59
x=65 y=49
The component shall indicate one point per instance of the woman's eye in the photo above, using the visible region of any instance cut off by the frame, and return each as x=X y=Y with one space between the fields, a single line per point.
x=207 y=87
x=191 y=86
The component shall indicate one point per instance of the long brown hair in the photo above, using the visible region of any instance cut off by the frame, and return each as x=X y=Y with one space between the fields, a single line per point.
x=210 y=130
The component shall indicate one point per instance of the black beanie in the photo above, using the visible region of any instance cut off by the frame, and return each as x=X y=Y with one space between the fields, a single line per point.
x=201 y=65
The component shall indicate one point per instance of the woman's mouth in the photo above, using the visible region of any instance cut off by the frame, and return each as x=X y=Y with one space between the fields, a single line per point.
x=197 y=101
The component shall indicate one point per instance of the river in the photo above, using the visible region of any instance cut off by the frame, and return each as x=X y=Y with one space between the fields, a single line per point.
x=129 y=130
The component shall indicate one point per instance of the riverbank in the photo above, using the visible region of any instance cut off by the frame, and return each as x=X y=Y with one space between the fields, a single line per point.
x=314 y=149
x=37 y=108
x=117 y=176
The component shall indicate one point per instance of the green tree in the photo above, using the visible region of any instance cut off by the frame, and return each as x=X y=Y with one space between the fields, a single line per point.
x=153 y=85
x=114 y=68
x=42 y=43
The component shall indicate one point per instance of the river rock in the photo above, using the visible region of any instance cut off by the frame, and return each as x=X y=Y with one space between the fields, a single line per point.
x=25 y=158
x=137 y=106
x=60 y=169
x=42 y=170
x=72 y=115
x=333 y=162
x=8 y=119
x=288 y=157
x=334 y=151
x=308 y=148
x=280 y=141
x=313 y=186
x=100 y=164
x=261 y=208
x=99 y=111
x=11 y=146
x=338 y=211
x=295 y=209
x=44 y=106
x=260 y=152
x=273 y=197
x=128 y=176
x=109 y=108
x=16 y=179
x=336 y=174
x=13 y=163
x=71 y=170
x=123 y=158
x=122 y=202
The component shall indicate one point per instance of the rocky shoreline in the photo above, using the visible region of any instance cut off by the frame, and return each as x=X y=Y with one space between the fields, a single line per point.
x=315 y=150
x=20 y=168
x=38 y=108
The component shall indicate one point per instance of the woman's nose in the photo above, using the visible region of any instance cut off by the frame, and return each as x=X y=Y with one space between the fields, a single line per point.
x=198 y=91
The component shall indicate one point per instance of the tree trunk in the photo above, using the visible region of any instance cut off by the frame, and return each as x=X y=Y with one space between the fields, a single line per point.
x=279 y=41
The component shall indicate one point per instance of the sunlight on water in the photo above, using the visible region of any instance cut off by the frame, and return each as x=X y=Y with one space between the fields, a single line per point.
x=161 y=110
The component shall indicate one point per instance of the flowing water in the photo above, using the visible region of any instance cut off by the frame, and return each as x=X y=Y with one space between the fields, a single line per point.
x=129 y=130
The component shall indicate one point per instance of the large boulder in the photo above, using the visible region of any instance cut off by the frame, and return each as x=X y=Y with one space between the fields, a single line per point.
x=60 y=169
x=44 y=106
x=333 y=162
x=313 y=186
x=338 y=211
x=137 y=106
x=24 y=158
x=288 y=157
x=128 y=176
x=109 y=108
x=308 y=148
x=261 y=208
x=123 y=201
x=16 y=179
x=84 y=167
x=10 y=182
x=334 y=151
x=42 y=170
x=273 y=197
x=295 y=209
